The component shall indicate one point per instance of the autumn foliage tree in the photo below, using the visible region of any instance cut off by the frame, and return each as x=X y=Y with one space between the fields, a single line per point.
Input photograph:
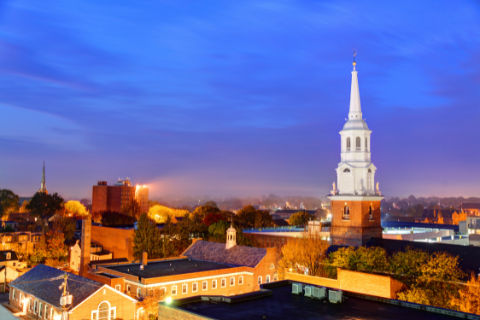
x=299 y=218
x=249 y=217
x=468 y=299
x=51 y=247
x=76 y=209
x=305 y=254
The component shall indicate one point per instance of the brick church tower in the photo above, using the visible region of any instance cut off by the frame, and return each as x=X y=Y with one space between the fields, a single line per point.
x=355 y=204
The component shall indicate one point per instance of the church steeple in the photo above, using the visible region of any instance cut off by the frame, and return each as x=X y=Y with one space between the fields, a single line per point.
x=355 y=112
x=43 y=187
x=231 y=236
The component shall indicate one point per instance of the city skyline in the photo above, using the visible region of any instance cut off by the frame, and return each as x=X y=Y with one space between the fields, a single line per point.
x=200 y=102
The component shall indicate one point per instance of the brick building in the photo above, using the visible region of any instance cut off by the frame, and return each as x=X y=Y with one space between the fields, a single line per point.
x=21 y=241
x=204 y=268
x=37 y=293
x=113 y=198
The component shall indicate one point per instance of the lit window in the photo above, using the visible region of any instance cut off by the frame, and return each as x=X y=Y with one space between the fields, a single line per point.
x=174 y=290
x=214 y=284
x=204 y=285
x=224 y=283
x=184 y=289
x=194 y=287
x=267 y=279
x=232 y=281
x=240 y=280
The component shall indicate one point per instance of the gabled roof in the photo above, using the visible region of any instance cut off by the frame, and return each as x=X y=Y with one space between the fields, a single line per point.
x=38 y=282
x=3 y=255
x=216 y=252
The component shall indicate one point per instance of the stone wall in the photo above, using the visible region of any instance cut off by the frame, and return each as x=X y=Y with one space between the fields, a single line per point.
x=352 y=281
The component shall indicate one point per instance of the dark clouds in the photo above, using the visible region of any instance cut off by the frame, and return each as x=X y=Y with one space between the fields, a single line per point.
x=237 y=98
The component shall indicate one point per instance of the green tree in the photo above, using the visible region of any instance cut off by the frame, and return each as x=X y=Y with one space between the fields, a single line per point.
x=407 y=265
x=299 y=218
x=249 y=217
x=373 y=259
x=146 y=238
x=67 y=226
x=45 y=205
x=9 y=202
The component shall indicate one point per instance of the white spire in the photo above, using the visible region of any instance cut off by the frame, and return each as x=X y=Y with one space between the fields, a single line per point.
x=231 y=237
x=355 y=112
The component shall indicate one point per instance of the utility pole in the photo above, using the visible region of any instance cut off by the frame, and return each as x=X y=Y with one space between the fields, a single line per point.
x=66 y=299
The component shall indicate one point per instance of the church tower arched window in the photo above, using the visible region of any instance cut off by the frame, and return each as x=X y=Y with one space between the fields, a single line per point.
x=346 y=213
x=348 y=144
x=366 y=144
x=357 y=144
x=370 y=212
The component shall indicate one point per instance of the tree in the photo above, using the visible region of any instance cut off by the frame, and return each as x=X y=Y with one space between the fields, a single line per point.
x=149 y=303
x=211 y=204
x=306 y=254
x=67 y=226
x=373 y=259
x=407 y=265
x=469 y=296
x=299 y=218
x=112 y=218
x=214 y=217
x=249 y=217
x=161 y=213
x=23 y=208
x=45 y=205
x=76 y=209
x=51 y=246
x=131 y=209
x=202 y=211
x=8 y=202
x=146 y=238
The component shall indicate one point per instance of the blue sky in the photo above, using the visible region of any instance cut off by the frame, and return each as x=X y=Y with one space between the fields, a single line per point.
x=226 y=98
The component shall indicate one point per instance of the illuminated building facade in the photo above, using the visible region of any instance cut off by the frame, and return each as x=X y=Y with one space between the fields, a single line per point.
x=113 y=198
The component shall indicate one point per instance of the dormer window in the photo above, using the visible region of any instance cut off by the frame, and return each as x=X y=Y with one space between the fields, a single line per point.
x=346 y=170
x=9 y=255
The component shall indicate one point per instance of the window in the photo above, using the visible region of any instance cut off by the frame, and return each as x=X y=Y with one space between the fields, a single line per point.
x=240 y=280
x=103 y=310
x=346 y=170
x=95 y=315
x=260 y=280
x=194 y=287
x=366 y=144
x=370 y=212
x=46 y=312
x=346 y=212
x=275 y=277
x=214 y=284
x=112 y=313
x=9 y=256
x=204 y=285
x=40 y=309
x=272 y=266
x=184 y=289
x=35 y=307
x=358 y=144
x=232 y=281
x=174 y=290
x=139 y=292
x=267 y=279
x=128 y=288
x=30 y=304
x=118 y=287
x=224 y=283
x=348 y=144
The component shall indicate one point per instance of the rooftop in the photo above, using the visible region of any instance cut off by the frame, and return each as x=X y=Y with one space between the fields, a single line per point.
x=282 y=304
x=167 y=268
x=216 y=252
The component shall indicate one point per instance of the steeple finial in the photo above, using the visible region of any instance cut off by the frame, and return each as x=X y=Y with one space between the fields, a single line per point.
x=354 y=54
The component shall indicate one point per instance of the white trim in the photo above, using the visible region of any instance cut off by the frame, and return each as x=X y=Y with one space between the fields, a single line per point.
x=159 y=284
x=216 y=284
x=206 y=285
x=355 y=198
x=221 y=283
x=232 y=278
x=185 y=286
x=96 y=313
x=195 y=285
x=176 y=290
x=114 y=309
x=103 y=287
x=240 y=282
x=119 y=287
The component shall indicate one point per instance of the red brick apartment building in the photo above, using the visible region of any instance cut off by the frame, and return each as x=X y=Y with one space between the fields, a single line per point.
x=113 y=198
x=205 y=268
x=37 y=293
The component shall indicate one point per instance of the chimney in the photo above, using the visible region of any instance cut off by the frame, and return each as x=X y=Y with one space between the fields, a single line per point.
x=144 y=258
x=85 y=247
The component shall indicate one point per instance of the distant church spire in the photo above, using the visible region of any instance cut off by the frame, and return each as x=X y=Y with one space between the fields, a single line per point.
x=231 y=236
x=355 y=112
x=43 y=187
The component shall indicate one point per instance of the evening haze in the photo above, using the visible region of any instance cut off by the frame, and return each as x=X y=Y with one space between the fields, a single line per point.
x=234 y=98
